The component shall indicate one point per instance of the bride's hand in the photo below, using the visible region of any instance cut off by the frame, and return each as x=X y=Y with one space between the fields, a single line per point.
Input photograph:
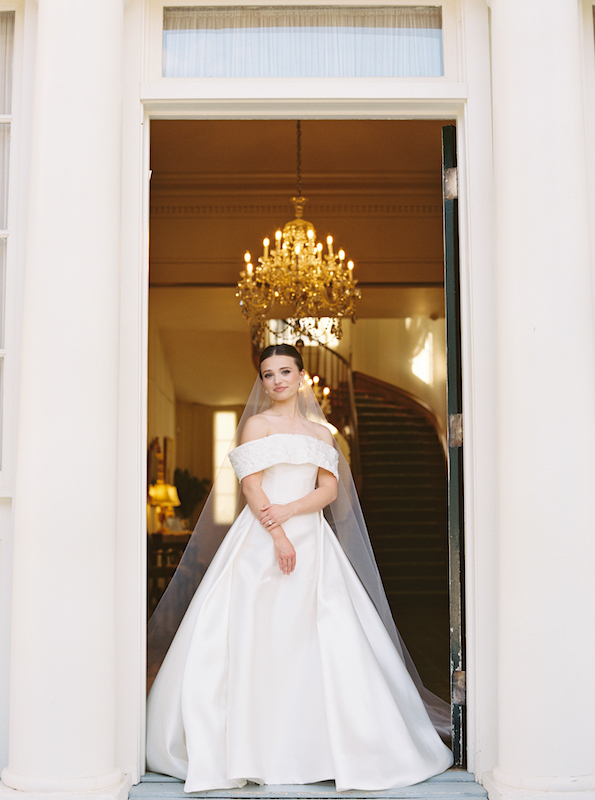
x=285 y=553
x=273 y=515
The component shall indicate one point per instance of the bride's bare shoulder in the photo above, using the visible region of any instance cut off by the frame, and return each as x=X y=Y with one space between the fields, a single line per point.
x=256 y=427
x=321 y=432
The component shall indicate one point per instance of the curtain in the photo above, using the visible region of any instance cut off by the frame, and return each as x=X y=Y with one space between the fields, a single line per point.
x=300 y=42
x=6 y=53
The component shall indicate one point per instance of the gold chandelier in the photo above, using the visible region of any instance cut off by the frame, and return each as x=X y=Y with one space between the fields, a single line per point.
x=294 y=281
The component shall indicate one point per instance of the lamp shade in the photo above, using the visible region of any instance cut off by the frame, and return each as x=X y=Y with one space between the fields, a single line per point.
x=163 y=494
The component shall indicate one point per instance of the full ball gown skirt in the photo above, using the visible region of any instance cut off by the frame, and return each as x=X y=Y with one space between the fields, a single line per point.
x=283 y=679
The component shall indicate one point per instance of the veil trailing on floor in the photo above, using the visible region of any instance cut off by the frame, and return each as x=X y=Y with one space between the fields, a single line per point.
x=346 y=519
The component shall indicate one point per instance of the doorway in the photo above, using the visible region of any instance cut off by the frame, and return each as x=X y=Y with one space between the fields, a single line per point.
x=218 y=188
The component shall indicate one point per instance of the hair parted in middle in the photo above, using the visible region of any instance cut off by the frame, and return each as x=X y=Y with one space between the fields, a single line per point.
x=280 y=350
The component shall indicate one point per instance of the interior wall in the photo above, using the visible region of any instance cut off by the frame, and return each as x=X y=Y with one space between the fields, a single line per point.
x=194 y=450
x=161 y=390
x=206 y=343
x=195 y=440
x=195 y=436
x=218 y=187
x=385 y=349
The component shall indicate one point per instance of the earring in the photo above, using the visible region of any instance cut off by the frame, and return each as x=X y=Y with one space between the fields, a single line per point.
x=300 y=384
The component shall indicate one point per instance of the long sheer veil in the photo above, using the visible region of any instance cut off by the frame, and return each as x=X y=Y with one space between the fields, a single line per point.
x=346 y=519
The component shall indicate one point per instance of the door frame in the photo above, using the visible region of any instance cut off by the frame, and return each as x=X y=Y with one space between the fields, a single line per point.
x=332 y=99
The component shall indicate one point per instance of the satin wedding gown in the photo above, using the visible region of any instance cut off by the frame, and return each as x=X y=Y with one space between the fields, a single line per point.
x=282 y=679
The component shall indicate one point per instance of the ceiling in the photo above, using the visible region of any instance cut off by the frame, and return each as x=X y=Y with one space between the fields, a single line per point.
x=218 y=187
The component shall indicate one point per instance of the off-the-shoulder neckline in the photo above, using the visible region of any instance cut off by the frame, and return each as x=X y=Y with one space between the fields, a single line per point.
x=301 y=435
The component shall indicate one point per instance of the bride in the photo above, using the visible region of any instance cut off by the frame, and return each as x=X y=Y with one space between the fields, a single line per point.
x=284 y=669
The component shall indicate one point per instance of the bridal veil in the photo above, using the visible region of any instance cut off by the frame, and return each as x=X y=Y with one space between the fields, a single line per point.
x=345 y=518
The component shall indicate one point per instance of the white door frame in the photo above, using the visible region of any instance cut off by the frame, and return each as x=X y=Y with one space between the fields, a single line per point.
x=468 y=104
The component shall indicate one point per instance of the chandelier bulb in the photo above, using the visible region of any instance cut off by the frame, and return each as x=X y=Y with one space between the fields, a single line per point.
x=310 y=234
x=278 y=236
x=247 y=257
x=249 y=269
x=350 y=265
x=341 y=255
x=297 y=249
x=329 y=241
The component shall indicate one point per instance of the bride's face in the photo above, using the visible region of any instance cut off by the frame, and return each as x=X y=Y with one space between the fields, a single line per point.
x=280 y=377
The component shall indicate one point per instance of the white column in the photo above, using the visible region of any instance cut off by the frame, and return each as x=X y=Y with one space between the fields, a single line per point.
x=546 y=397
x=62 y=712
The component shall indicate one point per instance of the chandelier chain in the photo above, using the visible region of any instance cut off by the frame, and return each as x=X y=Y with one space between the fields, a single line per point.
x=299 y=158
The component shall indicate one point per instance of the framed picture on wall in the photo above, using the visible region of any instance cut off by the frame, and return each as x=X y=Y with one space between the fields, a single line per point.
x=152 y=462
x=169 y=459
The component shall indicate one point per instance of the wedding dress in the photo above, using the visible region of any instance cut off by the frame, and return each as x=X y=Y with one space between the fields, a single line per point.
x=287 y=679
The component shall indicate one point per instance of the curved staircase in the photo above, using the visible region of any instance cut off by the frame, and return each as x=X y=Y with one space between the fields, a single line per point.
x=404 y=498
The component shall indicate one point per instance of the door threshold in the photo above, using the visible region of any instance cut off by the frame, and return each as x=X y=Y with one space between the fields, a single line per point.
x=454 y=784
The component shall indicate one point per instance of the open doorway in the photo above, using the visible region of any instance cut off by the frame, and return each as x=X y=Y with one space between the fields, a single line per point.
x=218 y=188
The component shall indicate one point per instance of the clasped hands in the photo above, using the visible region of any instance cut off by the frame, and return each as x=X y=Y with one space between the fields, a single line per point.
x=272 y=517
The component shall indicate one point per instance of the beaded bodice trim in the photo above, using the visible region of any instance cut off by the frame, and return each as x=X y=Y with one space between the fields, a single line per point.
x=283 y=448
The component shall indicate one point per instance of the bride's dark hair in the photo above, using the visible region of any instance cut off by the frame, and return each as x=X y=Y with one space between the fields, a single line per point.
x=280 y=350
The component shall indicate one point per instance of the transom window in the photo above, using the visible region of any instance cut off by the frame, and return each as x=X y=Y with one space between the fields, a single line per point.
x=302 y=42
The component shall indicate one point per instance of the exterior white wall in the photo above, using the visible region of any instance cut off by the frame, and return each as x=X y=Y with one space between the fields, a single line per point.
x=546 y=362
x=25 y=23
x=478 y=354
x=132 y=404
x=63 y=604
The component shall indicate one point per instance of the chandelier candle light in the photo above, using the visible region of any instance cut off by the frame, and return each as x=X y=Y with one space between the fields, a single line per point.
x=295 y=281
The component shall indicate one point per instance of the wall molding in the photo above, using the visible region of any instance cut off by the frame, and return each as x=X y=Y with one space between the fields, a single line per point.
x=250 y=183
x=283 y=210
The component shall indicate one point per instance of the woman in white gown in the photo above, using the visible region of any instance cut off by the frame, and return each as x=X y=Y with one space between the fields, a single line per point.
x=282 y=670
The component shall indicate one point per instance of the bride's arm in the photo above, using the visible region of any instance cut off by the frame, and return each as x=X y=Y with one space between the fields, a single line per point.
x=325 y=493
x=256 y=499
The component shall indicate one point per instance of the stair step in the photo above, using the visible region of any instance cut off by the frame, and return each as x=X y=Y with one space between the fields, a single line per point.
x=405 y=518
x=404 y=460
x=404 y=584
x=415 y=531
x=404 y=497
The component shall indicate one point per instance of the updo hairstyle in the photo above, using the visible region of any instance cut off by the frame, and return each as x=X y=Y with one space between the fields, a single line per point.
x=280 y=350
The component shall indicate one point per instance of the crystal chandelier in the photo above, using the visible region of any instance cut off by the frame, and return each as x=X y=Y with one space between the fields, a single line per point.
x=293 y=280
